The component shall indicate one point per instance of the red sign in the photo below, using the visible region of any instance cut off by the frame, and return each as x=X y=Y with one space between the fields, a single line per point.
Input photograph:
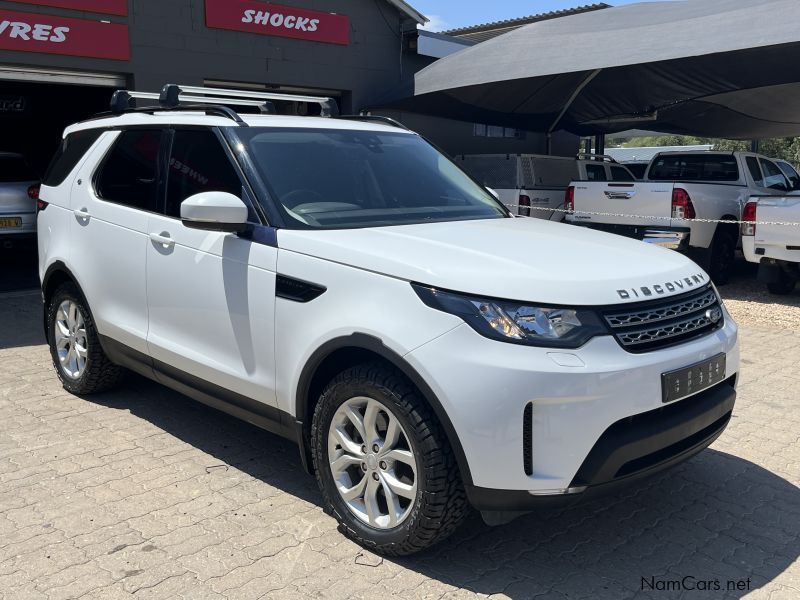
x=273 y=19
x=26 y=32
x=109 y=7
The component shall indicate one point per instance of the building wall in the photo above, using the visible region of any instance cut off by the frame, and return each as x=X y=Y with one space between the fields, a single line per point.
x=170 y=43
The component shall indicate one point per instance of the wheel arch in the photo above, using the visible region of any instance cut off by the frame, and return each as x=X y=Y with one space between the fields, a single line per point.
x=56 y=275
x=343 y=352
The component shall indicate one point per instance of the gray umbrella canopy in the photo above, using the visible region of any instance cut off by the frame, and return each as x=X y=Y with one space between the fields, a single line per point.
x=719 y=68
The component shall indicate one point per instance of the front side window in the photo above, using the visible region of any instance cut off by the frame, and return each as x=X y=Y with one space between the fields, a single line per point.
x=789 y=171
x=773 y=176
x=198 y=163
x=129 y=174
x=331 y=178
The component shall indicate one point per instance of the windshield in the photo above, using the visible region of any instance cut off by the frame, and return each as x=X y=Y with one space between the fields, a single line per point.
x=336 y=179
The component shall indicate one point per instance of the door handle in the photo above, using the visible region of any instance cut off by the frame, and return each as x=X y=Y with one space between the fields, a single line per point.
x=162 y=239
x=82 y=214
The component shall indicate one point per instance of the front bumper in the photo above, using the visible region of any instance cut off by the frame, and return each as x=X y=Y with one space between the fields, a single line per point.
x=673 y=238
x=596 y=417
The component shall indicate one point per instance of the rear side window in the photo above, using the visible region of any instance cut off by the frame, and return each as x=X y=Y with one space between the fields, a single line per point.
x=755 y=170
x=620 y=174
x=14 y=168
x=695 y=167
x=69 y=153
x=128 y=175
x=595 y=173
x=198 y=163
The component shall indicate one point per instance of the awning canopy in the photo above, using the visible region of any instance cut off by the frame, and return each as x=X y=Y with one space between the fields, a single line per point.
x=717 y=68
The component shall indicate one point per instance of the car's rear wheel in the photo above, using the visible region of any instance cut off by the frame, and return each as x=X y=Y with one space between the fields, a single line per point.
x=383 y=463
x=723 y=256
x=80 y=362
x=784 y=285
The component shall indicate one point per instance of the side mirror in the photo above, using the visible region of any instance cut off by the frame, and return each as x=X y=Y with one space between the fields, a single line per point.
x=214 y=211
x=493 y=193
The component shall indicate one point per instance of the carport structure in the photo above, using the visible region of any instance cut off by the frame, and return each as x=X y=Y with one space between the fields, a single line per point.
x=716 y=68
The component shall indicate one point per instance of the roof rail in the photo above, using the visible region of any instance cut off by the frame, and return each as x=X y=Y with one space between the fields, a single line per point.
x=375 y=118
x=597 y=157
x=175 y=97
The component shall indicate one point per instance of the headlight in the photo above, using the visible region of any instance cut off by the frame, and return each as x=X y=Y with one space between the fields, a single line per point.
x=516 y=322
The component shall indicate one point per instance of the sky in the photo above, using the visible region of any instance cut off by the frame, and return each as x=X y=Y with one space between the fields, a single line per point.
x=449 y=14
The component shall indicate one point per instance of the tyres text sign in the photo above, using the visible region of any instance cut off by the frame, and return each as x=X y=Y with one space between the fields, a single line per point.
x=277 y=20
x=109 y=7
x=27 y=32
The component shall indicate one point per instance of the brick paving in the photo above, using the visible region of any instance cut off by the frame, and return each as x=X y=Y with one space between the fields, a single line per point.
x=142 y=492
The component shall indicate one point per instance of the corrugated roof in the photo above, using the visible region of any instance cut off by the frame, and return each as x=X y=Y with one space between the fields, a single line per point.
x=487 y=31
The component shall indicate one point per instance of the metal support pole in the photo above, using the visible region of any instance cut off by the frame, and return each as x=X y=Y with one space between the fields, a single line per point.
x=755 y=145
x=600 y=143
x=587 y=146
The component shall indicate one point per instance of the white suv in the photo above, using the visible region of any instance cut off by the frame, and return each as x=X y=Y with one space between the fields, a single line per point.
x=340 y=282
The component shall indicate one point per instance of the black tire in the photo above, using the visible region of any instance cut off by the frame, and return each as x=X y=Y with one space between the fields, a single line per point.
x=440 y=504
x=722 y=260
x=99 y=374
x=784 y=285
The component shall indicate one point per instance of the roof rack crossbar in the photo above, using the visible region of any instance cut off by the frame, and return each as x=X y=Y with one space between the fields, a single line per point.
x=222 y=111
x=328 y=106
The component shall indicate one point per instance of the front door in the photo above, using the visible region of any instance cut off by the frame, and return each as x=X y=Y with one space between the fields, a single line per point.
x=211 y=295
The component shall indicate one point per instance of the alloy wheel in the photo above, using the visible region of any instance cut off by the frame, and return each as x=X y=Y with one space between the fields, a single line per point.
x=372 y=463
x=70 y=339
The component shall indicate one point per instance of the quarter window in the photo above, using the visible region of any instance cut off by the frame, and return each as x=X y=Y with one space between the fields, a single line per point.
x=70 y=152
x=129 y=173
x=198 y=163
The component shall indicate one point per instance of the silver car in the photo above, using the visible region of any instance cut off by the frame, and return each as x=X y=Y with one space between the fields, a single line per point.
x=19 y=192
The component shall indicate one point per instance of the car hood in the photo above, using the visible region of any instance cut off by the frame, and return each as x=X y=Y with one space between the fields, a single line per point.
x=520 y=259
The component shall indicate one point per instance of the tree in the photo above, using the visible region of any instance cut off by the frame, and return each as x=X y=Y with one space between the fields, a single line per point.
x=785 y=148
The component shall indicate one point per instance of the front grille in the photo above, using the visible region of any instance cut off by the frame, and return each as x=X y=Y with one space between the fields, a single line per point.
x=662 y=323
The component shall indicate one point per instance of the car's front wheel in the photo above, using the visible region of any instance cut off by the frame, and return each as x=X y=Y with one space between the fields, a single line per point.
x=784 y=284
x=383 y=463
x=80 y=362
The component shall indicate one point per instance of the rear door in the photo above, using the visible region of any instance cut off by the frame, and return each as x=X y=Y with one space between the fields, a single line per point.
x=211 y=294
x=111 y=205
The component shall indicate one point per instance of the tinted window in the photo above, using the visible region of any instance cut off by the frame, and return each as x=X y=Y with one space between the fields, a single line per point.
x=69 y=153
x=620 y=174
x=773 y=177
x=789 y=171
x=755 y=170
x=327 y=178
x=128 y=175
x=198 y=163
x=595 y=172
x=694 y=167
x=14 y=168
x=638 y=169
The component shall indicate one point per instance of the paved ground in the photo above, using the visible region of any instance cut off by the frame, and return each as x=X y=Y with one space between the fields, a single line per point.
x=143 y=492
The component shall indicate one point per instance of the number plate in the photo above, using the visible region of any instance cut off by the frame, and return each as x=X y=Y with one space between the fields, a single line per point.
x=10 y=222
x=690 y=380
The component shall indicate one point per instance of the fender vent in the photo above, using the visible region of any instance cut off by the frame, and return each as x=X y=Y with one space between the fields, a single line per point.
x=527 y=439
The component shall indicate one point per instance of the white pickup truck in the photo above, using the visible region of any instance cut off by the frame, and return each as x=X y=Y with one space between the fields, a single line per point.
x=680 y=187
x=775 y=248
x=534 y=185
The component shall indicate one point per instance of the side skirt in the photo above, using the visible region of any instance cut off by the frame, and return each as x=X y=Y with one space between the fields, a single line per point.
x=247 y=409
